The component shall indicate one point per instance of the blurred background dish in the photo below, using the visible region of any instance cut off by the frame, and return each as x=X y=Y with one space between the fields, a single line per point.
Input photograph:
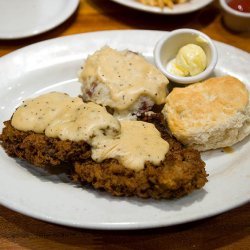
x=236 y=15
x=20 y=19
x=187 y=7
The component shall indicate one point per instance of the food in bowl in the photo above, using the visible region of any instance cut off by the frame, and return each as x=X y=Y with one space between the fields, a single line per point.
x=240 y=5
x=236 y=16
x=167 y=48
x=190 y=60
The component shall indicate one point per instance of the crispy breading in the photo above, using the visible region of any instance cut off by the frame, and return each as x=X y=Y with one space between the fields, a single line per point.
x=40 y=150
x=180 y=173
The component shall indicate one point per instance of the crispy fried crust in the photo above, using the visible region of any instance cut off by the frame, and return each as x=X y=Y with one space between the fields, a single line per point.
x=180 y=173
x=41 y=150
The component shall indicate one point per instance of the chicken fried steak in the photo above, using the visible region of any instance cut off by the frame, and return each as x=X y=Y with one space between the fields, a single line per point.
x=40 y=150
x=181 y=172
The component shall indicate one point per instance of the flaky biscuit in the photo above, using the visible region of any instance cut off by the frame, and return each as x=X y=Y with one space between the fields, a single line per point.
x=209 y=115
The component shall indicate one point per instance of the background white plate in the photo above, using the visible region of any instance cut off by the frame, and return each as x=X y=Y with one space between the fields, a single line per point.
x=24 y=18
x=190 y=6
x=53 y=65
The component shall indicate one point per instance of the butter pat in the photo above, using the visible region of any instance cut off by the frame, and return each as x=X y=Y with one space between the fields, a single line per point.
x=190 y=60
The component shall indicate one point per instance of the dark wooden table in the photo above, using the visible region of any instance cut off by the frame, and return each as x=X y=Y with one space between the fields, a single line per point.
x=230 y=230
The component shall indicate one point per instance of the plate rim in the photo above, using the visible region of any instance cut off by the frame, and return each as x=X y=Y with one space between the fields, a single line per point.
x=109 y=226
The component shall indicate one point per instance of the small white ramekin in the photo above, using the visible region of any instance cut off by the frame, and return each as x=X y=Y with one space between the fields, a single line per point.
x=168 y=46
x=233 y=19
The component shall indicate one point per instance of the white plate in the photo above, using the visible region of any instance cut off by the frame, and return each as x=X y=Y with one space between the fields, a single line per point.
x=190 y=6
x=25 y=18
x=53 y=65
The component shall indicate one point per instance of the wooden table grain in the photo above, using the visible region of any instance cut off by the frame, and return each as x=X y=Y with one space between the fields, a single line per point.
x=230 y=230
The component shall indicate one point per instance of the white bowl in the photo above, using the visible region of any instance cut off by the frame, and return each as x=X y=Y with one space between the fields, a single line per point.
x=168 y=46
x=233 y=19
